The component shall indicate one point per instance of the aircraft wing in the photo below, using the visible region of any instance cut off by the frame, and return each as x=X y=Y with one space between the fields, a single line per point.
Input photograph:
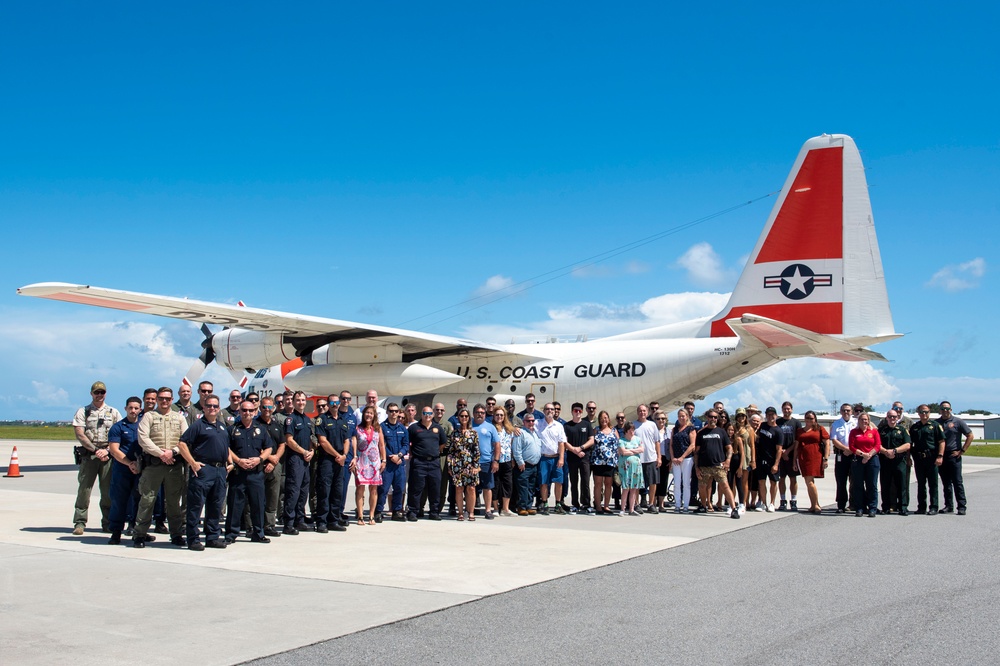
x=304 y=332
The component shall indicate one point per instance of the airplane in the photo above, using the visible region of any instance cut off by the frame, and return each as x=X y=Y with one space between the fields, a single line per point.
x=812 y=287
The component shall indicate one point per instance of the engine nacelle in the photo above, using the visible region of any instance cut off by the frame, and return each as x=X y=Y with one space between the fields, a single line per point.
x=237 y=348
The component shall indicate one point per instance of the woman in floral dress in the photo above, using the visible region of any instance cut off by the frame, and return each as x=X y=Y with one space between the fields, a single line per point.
x=368 y=463
x=630 y=469
x=462 y=461
x=603 y=460
x=505 y=472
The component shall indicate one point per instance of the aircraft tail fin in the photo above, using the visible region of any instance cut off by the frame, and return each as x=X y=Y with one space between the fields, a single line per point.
x=817 y=265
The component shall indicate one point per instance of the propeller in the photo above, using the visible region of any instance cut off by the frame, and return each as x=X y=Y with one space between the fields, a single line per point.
x=207 y=356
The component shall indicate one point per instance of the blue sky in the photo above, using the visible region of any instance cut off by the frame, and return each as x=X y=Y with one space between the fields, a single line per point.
x=380 y=161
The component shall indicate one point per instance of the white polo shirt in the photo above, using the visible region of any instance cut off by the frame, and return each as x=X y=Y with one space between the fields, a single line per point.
x=550 y=435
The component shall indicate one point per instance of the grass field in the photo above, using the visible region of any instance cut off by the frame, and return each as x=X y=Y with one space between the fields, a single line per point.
x=52 y=433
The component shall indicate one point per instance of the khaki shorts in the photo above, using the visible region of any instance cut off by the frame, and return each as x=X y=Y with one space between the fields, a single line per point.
x=712 y=474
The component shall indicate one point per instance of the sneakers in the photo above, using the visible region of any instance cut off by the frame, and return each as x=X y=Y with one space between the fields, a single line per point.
x=769 y=508
x=573 y=509
x=590 y=511
x=742 y=508
x=961 y=512
x=735 y=514
x=759 y=506
x=793 y=505
x=488 y=515
x=652 y=509
x=559 y=510
x=635 y=512
x=78 y=530
x=622 y=513
x=783 y=506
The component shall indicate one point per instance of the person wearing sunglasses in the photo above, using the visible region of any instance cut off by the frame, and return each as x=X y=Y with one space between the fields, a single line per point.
x=894 y=468
x=397 y=448
x=91 y=425
x=250 y=447
x=159 y=433
x=427 y=442
x=927 y=444
x=205 y=448
x=273 y=469
x=462 y=462
x=951 y=465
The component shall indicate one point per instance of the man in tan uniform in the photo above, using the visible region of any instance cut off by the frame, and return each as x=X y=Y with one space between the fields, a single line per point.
x=91 y=425
x=159 y=432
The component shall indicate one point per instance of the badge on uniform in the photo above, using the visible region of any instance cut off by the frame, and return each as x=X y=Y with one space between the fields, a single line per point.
x=256 y=431
x=434 y=430
x=236 y=432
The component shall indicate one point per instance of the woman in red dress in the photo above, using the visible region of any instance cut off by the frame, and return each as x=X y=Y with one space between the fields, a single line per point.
x=811 y=456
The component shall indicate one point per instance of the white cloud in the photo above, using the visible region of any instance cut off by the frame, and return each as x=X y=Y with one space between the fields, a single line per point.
x=62 y=357
x=597 y=320
x=635 y=267
x=957 y=277
x=704 y=266
x=813 y=383
x=496 y=286
x=672 y=308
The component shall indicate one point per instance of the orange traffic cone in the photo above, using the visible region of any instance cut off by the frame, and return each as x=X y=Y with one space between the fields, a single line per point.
x=14 y=471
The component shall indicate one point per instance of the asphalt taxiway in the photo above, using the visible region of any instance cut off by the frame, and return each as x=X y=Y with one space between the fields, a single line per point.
x=450 y=592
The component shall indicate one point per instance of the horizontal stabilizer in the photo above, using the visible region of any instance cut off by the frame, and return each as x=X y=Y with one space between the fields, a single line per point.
x=786 y=341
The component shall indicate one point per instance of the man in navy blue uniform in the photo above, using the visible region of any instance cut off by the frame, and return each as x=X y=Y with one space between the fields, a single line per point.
x=250 y=445
x=427 y=440
x=123 y=444
x=397 y=446
x=273 y=468
x=298 y=454
x=205 y=447
x=344 y=407
x=334 y=436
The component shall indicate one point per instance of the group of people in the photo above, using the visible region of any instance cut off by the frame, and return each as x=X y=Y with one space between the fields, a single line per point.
x=194 y=469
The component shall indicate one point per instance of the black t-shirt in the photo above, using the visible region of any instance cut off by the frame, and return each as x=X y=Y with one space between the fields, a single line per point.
x=711 y=444
x=789 y=428
x=769 y=438
x=577 y=434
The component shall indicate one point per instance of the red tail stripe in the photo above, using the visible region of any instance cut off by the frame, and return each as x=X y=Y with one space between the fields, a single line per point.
x=810 y=222
x=824 y=318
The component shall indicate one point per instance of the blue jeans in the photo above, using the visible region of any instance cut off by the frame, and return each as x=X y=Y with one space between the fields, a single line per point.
x=527 y=483
x=864 y=483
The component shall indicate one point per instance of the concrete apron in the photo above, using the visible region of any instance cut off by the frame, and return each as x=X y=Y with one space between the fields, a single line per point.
x=66 y=595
